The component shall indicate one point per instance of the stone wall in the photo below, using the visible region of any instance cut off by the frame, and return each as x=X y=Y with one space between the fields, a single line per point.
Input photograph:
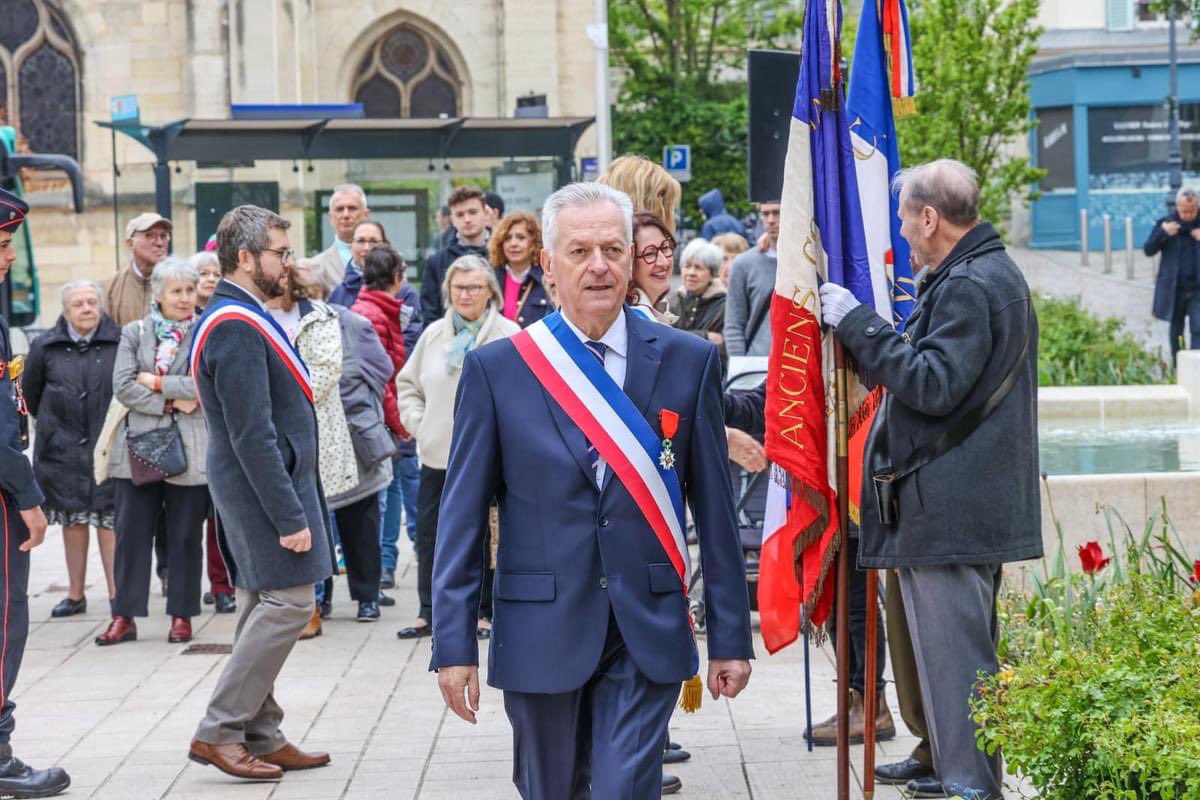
x=192 y=58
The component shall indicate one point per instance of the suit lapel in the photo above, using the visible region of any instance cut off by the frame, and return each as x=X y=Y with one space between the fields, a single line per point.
x=573 y=437
x=643 y=358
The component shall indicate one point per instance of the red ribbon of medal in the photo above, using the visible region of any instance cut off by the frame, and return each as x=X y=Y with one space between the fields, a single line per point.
x=668 y=423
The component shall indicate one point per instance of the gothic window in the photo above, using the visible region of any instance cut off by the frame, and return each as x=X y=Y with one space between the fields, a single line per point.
x=407 y=73
x=39 y=77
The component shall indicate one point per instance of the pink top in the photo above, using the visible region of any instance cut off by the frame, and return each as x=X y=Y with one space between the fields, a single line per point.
x=512 y=295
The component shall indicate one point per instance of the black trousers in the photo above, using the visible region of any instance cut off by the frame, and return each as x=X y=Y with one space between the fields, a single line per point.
x=429 y=498
x=184 y=509
x=14 y=609
x=358 y=526
x=858 y=625
x=1187 y=307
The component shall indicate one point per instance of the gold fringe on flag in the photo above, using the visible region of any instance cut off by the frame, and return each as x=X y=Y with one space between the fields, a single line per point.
x=693 y=694
x=903 y=106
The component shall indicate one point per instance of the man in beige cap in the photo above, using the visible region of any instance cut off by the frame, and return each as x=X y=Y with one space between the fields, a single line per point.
x=127 y=295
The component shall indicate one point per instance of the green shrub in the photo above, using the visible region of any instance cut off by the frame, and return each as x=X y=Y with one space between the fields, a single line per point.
x=1078 y=348
x=1097 y=697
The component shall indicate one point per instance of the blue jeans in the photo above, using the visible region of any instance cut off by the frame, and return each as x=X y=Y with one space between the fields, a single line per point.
x=401 y=494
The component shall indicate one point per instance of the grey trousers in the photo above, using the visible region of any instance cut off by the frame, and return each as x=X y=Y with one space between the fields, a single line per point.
x=242 y=709
x=952 y=619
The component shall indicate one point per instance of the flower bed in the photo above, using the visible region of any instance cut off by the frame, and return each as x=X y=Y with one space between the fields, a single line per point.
x=1098 y=697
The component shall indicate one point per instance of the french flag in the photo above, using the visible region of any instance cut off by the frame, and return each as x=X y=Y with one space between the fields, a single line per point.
x=837 y=223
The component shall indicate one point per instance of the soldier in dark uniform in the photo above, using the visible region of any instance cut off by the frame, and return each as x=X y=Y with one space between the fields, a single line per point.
x=24 y=528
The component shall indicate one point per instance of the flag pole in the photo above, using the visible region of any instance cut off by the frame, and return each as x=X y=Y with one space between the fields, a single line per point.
x=871 y=694
x=841 y=402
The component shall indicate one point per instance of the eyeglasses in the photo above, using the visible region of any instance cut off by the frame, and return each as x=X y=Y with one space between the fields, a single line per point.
x=371 y=242
x=156 y=236
x=666 y=247
x=469 y=291
x=285 y=254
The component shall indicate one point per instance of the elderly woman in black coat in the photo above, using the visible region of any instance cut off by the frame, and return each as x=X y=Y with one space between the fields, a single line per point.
x=68 y=386
x=699 y=303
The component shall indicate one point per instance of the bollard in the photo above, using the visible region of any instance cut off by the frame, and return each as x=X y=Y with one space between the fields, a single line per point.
x=1107 y=244
x=1083 y=237
x=1129 y=275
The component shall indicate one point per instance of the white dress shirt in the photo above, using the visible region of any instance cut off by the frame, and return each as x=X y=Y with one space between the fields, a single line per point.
x=616 y=351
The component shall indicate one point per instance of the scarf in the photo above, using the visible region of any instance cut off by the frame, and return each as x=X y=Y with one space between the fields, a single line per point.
x=170 y=334
x=466 y=338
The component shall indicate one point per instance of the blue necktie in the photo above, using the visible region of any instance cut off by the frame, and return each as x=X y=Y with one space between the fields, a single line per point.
x=597 y=349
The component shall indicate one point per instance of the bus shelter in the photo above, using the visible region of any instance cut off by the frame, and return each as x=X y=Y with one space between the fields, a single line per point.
x=243 y=141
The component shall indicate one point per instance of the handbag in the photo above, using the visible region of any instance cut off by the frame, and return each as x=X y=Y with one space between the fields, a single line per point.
x=157 y=454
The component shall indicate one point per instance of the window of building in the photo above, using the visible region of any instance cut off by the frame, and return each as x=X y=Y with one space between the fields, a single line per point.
x=407 y=73
x=39 y=77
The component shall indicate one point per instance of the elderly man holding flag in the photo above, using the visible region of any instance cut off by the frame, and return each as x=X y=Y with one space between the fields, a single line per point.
x=961 y=404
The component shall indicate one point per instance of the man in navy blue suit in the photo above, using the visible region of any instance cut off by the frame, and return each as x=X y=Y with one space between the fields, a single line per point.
x=564 y=425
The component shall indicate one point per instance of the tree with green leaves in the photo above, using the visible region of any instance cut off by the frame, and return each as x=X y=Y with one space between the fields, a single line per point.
x=971 y=59
x=681 y=64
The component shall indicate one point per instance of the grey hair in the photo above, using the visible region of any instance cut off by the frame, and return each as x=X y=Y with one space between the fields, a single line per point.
x=1186 y=193
x=705 y=253
x=71 y=286
x=205 y=258
x=945 y=185
x=577 y=195
x=348 y=187
x=171 y=269
x=473 y=263
x=245 y=228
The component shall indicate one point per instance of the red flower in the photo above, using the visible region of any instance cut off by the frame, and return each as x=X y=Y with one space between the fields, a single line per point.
x=1092 y=558
x=1196 y=572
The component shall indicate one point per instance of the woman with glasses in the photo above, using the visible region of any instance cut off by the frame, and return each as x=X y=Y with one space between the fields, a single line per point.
x=368 y=235
x=426 y=389
x=653 y=260
x=152 y=378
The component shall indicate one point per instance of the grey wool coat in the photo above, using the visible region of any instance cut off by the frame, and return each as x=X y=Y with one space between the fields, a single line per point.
x=135 y=354
x=978 y=503
x=262 y=457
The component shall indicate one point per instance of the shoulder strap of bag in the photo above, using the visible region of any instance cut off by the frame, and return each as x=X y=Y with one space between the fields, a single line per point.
x=760 y=314
x=962 y=428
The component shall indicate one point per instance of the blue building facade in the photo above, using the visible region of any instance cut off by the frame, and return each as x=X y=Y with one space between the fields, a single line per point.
x=1102 y=136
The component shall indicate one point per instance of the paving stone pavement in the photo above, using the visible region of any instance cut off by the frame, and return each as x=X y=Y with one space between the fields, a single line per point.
x=119 y=719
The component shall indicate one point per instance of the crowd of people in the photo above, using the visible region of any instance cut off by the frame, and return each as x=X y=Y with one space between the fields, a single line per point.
x=143 y=432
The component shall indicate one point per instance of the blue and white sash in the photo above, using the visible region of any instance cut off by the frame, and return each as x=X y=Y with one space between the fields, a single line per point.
x=577 y=382
x=226 y=309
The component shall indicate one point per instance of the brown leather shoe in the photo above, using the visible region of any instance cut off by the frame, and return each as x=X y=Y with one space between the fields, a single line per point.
x=313 y=629
x=121 y=629
x=824 y=734
x=181 y=630
x=235 y=760
x=289 y=757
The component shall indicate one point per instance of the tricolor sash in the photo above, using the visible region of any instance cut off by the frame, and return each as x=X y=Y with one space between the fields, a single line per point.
x=226 y=309
x=575 y=379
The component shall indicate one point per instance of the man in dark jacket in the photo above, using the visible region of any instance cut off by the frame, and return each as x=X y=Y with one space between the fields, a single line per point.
x=262 y=472
x=717 y=219
x=1177 y=288
x=468 y=212
x=970 y=348
x=24 y=529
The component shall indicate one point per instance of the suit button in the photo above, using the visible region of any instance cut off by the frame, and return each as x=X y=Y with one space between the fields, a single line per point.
x=604 y=583
x=603 y=522
x=870 y=329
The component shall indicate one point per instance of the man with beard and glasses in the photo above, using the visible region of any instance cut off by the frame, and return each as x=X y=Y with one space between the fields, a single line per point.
x=262 y=459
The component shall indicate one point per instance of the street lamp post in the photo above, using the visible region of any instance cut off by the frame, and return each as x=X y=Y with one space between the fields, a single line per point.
x=1174 y=154
x=598 y=33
